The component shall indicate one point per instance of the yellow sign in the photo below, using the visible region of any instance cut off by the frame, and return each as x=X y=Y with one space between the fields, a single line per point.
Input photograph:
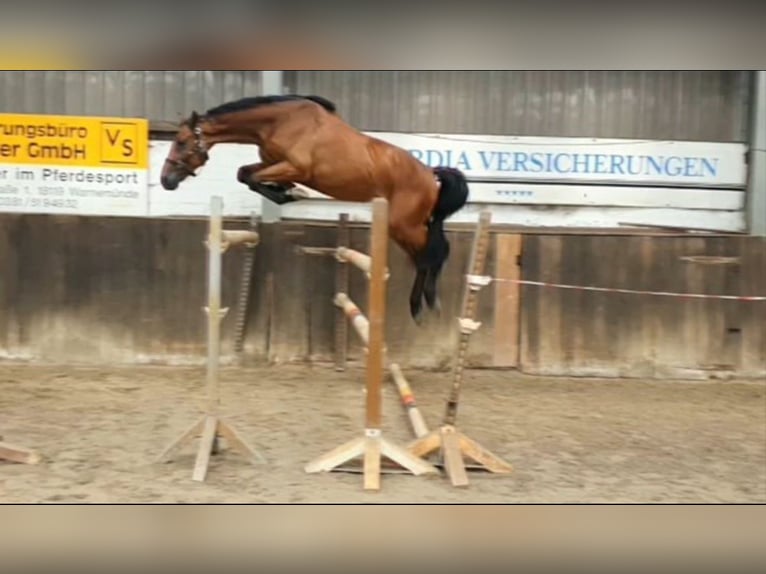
x=74 y=141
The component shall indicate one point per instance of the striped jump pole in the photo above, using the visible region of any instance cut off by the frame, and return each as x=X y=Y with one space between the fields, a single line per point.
x=18 y=454
x=357 y=259
x=362 y=328
x=343 y=254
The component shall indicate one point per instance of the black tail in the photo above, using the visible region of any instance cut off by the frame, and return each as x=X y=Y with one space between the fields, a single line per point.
x=453 y=195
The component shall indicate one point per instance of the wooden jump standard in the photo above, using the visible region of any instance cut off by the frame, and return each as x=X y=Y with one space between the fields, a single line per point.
x=211 y=425
x=349 y=312
x=372 y=446
x=453 y=443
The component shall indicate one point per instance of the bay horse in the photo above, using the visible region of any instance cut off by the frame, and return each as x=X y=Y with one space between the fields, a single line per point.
x=302 y=140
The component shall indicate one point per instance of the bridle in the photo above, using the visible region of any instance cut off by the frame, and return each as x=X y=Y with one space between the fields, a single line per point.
x=198 y=148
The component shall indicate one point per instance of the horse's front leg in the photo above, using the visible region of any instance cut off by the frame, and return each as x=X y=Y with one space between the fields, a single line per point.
x=279 y=191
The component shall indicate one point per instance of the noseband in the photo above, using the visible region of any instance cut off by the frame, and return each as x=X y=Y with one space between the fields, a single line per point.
x=198 y=148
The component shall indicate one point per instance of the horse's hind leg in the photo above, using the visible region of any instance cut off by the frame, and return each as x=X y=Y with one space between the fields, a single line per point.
x=435 y=255
x=430 y=290
x=432 y=257
x=416 y=294
x=412 y=239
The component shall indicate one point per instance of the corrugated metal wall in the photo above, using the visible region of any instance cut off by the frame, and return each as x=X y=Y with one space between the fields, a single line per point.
x=158 y=96
x=692 y=105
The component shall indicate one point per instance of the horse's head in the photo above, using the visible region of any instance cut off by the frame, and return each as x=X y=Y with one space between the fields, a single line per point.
x=187 y=154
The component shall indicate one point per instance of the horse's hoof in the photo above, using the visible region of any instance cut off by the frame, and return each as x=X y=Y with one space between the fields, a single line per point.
x=417 y=314
x=243 y=175
x=434 y=303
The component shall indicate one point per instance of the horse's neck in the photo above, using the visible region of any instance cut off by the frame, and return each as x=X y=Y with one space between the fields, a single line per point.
x=237 y=128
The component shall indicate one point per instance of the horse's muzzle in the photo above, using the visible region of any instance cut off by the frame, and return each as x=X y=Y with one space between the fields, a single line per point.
x=170 y=182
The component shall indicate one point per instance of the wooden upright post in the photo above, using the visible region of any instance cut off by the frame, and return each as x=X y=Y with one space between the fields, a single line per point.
x=211 y=426
x=505 y=351
x=372 y=446
x=240 y=323
x=214 y=312
x=341 y=286
x=376 y=312
x=452 y=443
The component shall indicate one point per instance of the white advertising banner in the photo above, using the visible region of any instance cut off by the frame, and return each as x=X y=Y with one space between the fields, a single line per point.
x=73 y=165
x=636 y=162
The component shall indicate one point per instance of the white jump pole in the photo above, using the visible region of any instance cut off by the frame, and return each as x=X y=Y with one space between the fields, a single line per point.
x=357 y=259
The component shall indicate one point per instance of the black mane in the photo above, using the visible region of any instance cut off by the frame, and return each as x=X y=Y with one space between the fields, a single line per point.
x=252 y=102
